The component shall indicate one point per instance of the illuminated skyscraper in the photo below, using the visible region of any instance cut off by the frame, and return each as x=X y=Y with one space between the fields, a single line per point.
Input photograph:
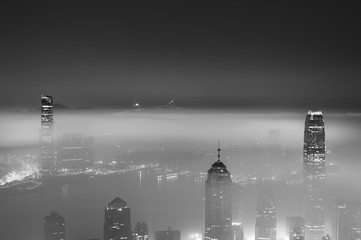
x=117 y=224
x=218 y=202
x=141 y=231
x=167 y=235
x=347 y=225
x=54 y=227
x=295 y=228
x=46 y=136
x=314 y=175
x=266 y=217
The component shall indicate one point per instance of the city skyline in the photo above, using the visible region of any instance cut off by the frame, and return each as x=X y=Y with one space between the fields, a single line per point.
x=110 y=114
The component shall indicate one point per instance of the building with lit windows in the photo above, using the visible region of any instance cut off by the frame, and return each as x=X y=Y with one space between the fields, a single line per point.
x=347 y=222
x=218 y=202
x=46 y=138
x=75 y=153
x=266 y=216
x=54 y=227
x=295 y=228
x=141 y=231
x=314 y=175
x=167 y=235
x=117 y=225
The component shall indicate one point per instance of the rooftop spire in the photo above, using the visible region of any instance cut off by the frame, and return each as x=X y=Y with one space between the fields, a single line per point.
x=219 y=150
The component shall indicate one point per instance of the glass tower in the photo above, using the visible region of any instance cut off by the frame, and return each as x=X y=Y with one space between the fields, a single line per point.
x=218 y=203
x=46 y=135
x=314 y=175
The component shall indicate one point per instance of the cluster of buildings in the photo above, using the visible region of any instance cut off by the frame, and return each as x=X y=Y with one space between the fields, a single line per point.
x=73 y=153
x=117 y=225
x=77 y=153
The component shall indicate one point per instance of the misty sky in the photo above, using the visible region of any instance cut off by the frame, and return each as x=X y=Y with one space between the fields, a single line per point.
x=235 y=55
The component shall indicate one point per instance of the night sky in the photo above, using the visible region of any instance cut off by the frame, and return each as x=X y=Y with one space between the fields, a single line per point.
x=238 y=55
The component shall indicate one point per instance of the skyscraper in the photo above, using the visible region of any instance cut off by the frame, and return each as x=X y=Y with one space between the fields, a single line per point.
x=347 y=225
x=167 y=235
x=141 y=231
x=218 y=202
x=75 y=153
x=46 y=156
x=295 y=228
x=314 y=175
x=117 y=224
x=54 y=227
x=266 y=217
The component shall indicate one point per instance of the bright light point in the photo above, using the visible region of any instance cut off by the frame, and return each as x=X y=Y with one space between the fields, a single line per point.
x=136 y=105
x=195 y=236
x=170 y=102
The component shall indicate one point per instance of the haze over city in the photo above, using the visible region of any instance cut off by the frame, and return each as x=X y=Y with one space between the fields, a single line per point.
x=180 y=121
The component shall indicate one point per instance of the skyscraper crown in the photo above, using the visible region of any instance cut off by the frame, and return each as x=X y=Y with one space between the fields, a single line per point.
x=117 y=203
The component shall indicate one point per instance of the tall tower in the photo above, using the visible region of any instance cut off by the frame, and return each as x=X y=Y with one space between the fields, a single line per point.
x=117 y=221
x=218 y=202
x=46 y=155
x=314 y=175
x=54 y=227
x=266 y=218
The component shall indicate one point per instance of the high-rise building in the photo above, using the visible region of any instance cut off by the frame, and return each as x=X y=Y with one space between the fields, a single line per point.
x=314 y=175
x=141 y=231
x=75 y=153
x=295 y=228
x=266 y=216
x=347 y=224
x=167 y=235
x=237 y=231
x=237 y=211
x=54 y=227
x=218 y=202
x=46 y=156
x=117 y=225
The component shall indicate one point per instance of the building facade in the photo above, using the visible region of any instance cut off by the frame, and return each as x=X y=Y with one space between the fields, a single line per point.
x=141 y=231
x=75 y=153
x=266 y=216
x=295 y=228
x=117 y=225
x=347 y=222
x=54 y=227
x=46 y=141
x=218 y=203
x=314 y=175
x=167 y=235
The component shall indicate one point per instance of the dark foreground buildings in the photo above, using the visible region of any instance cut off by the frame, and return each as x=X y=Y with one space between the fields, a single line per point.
x=218 y=203
x=54 y=227
x=314 y=175
x=117 y=224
